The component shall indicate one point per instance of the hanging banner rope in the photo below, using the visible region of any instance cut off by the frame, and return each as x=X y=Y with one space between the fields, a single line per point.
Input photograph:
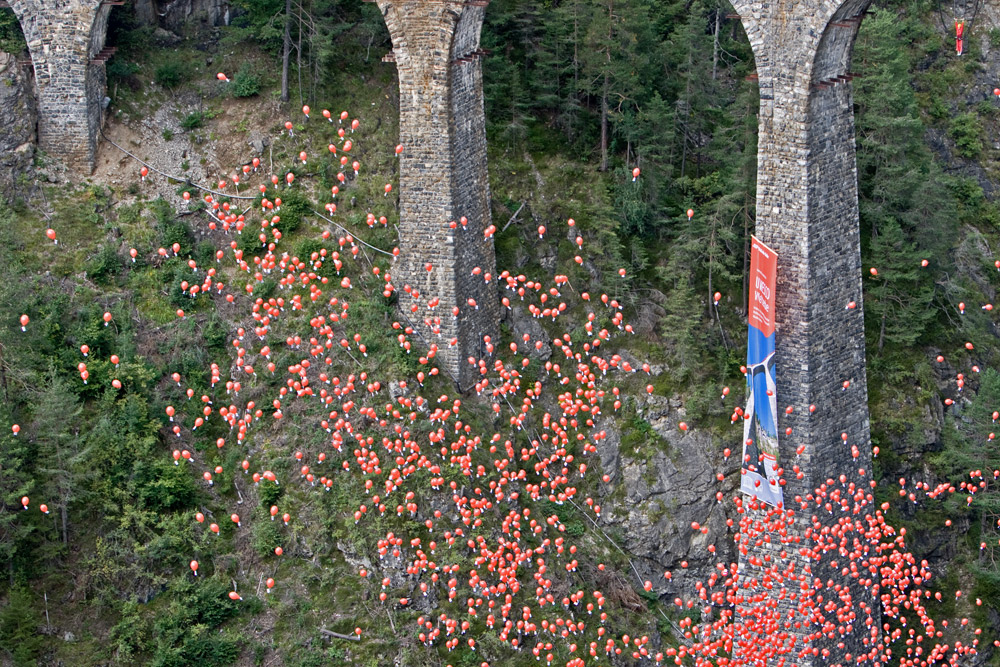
x=760 y=428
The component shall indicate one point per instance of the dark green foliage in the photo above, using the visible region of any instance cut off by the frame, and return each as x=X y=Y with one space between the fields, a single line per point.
x=265 y=535
x=171 y=228
x=967 y=131
x=186 y=632
x=11 y=37
x=903 y=196
x=169 y=74
x=105 y=264
x=19 y=620
x=122 y=72
x=968 y=447
x=246 y=83
x=270 y=493
x=294 y=208
x=162 y=486
x=193 y=121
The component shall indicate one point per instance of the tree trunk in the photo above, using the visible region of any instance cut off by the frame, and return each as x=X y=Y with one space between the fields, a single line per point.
x=605 y=90
x=711 y=258
x=604 y=125
x=298 y=58
x=286 y=51
x=65 y=521
x=715 y=46
x=881 y=333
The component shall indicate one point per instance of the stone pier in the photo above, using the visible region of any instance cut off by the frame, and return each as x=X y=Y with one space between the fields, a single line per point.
x=807 y=211
x=66 y=42
x=443 y=182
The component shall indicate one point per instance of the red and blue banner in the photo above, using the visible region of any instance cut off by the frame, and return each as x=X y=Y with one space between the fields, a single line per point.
x=760 y=425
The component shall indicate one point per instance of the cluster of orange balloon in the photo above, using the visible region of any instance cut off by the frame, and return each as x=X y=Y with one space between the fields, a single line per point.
x=488 y=523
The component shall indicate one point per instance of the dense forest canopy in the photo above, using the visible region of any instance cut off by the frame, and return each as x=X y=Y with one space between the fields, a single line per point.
x=578 y=93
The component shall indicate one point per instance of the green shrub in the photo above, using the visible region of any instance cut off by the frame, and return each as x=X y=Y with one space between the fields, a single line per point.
x=294 y=207
x=246 y=83
x=193 y=120
x=163 y=486
x=967 y=131
x=104 y=264
x=120 y=70
x=169 y=74
x=269 y=494
x=185 y=631
x=265 y=536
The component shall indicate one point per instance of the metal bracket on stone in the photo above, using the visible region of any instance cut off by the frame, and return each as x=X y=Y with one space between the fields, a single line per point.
x=834 y=80
x=470 y=57
x=103 y=55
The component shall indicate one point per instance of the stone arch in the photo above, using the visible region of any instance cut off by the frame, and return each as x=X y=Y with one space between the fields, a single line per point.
x=64 y=40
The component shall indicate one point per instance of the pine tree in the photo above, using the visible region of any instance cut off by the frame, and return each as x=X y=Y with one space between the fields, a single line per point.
x=16 y=481
x=64 y=460
x=904 y=199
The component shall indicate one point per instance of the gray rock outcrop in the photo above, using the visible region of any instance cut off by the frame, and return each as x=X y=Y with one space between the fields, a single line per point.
x=18 y=118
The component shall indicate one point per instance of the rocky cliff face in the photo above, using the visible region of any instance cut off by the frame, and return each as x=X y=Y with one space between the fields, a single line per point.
x=666 y=492
x=175 y=14
x=18 y=119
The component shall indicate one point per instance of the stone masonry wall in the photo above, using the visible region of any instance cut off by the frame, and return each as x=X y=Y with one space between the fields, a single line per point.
x=443 y=179
x=807 y=211
x=63 y=36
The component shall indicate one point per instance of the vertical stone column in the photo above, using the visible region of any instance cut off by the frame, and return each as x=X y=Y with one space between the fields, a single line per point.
x=443 y=180
x=63 y=37
x=807 y=211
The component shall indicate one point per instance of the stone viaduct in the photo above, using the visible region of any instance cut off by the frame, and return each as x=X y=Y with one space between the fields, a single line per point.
x=807 y=211
x=66 y=42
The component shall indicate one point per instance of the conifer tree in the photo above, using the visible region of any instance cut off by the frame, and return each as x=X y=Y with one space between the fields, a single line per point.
x=62 y=455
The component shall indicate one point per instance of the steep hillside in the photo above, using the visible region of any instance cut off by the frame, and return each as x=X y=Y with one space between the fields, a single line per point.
x=269 y=470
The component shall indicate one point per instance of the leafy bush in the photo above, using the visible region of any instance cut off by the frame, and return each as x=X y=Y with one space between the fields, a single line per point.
x=246 y=83
x=169 y=74
x=294 y=207
x=163 y=486
x=121 y=71
x=104 y=264
x=967 y=130
x=185 y=630
x=265 y=536
x=269 y=494
x=193 y=120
